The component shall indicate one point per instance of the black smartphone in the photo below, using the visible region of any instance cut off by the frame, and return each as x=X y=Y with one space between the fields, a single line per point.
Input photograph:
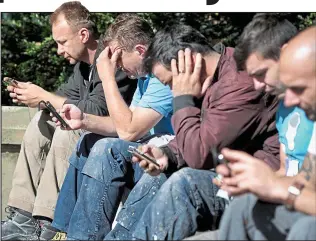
x=138 y=153
x=218 y=158
x=9 y=81
x=52 y=109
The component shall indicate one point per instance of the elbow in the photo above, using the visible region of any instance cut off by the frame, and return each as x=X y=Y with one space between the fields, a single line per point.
x=128 y=136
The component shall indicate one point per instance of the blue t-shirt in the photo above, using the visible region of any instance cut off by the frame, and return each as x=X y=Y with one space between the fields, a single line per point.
x=151 y=93
x=295 y=132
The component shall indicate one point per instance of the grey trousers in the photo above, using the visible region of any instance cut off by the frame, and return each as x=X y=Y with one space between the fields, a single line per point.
x=248 y=218
x=42 y=165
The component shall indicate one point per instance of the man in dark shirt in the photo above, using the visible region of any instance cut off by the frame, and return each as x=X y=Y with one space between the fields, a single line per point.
x=215 y=106
x=45 y=149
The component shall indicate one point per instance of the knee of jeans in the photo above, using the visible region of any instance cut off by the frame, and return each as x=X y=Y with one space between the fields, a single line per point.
x=177 y=181
x=100 y=161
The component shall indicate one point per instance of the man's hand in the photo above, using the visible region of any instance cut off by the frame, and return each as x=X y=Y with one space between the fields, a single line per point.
x=72 y=115
x=26 y=93
x=248 y=174
x=186 y=78
x=157 y=154
x=107 y=65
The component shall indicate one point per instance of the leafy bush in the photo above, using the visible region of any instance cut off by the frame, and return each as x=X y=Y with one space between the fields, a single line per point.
x=29 y=52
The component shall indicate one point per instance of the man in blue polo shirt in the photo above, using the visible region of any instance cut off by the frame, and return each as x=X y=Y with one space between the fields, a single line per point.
x=101 y=168
x=262 y=63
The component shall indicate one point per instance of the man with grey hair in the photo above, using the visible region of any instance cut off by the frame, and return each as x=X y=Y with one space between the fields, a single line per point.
x=45 y=149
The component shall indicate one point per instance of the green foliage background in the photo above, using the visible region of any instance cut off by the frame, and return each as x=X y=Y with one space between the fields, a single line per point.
x=28 y=52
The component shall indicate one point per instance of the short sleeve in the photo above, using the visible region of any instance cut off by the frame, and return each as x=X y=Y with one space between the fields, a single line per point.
x=137 y=95
x=157 y=97
x=312 y=143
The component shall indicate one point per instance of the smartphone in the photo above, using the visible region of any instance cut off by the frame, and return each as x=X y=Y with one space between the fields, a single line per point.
x=52 y=109
x=138 y=153
x=10 y=81
x=218 y=158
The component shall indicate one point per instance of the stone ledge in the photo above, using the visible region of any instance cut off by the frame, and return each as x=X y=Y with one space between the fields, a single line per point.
x=15 y=120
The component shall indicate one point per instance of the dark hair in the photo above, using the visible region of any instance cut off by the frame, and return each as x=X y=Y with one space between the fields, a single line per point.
x=76 y=15
x=128 y=30
x=265 y=34
x=170 y=40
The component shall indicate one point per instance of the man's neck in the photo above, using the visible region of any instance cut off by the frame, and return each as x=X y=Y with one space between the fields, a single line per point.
x=211 y=62
x=90 y=53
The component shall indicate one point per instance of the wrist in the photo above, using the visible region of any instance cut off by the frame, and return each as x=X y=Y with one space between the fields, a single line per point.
x=42 y=95
x=84 y=121
x=280 y=190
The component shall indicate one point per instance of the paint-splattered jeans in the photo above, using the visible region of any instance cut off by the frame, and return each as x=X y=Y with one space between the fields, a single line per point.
x=183 y=204
x=93 y=187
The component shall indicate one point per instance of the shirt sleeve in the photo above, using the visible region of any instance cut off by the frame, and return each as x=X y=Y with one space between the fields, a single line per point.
x=312 y=143
x=157 y=97
x=137 y=95
x=278 y=123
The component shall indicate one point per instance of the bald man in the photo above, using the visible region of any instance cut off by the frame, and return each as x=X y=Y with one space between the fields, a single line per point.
x=277 y=208
x=298 y=72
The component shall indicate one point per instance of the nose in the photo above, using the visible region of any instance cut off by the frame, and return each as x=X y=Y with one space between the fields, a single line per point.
x=291 y=99
x=60 y=49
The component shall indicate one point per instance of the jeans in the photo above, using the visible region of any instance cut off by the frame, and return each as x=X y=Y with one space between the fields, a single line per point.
x=70 y=189
x=183 y=204
x=248 y=218
x=88 y=203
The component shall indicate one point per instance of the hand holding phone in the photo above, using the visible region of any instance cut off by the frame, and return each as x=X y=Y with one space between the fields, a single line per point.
x=52 y=110
x=141 y=155
x=9 y=81
x=218 y=159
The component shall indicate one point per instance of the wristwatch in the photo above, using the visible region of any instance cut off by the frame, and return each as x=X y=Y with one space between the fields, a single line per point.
x=294 y=191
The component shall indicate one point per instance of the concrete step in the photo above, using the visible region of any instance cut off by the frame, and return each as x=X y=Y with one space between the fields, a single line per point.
x=15 y=120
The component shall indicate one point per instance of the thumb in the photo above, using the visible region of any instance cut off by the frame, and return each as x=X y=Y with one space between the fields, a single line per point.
x=115 y=56
x=237 y=156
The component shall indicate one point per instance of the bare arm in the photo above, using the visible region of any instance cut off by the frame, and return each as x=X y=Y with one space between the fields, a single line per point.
x=102 y=125
x=55 y=100
x=130 y=125
x=304 y=202
x=282 y=171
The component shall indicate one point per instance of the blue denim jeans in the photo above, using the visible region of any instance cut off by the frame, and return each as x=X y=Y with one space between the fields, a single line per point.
x=88 y=203
x=183 y=204
x=248 y=218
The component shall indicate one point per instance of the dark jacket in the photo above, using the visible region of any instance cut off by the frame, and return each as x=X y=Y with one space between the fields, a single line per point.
x=89 y=96
x=231 y=114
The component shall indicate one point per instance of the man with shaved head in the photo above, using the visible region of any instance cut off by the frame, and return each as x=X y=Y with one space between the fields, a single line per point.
x=298 y=72
x=277 y=208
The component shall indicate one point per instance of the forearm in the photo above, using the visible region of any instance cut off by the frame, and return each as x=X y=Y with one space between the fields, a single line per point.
x=102 y=125
x=282 y=170
x=120 y=113
x=55 y=100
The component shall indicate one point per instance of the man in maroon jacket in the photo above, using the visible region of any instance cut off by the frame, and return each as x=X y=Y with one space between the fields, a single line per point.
x=215 y=106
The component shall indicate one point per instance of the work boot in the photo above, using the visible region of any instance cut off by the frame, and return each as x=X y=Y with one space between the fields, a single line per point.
x=48 y=232
x=20 y=225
